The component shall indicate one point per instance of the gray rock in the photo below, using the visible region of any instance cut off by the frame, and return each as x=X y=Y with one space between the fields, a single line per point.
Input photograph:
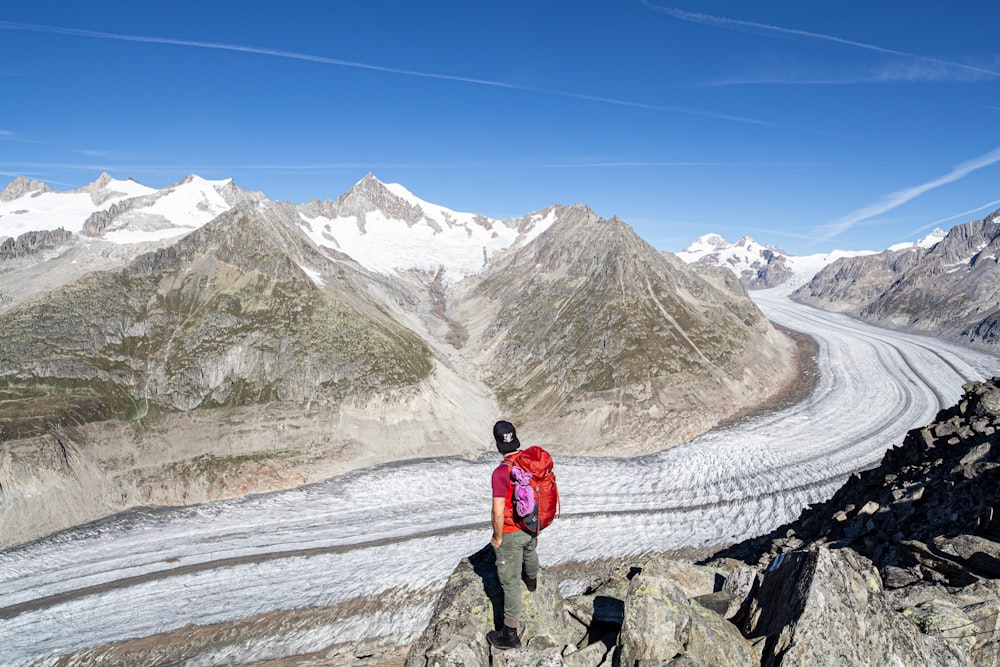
x=827 y=607
x=979 y=554
x=31 y=243
x=551 y=657
x=589 y=656
x=694 y=580
x=662 y=624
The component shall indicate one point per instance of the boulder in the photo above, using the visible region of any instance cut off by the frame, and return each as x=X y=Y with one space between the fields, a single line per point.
x=694 y=580
x=977 y=553
x=663 y=625
x=968 y=616
x=827 y=607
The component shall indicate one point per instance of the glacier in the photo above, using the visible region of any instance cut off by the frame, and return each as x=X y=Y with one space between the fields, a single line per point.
x=378 y=544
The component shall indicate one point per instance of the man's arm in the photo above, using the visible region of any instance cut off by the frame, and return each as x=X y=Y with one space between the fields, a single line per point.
x=497 y=520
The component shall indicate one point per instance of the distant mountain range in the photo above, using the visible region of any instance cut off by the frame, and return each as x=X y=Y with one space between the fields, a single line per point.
x=202 y=341
x=949 y=289
x=947 y=284
x=760 y=266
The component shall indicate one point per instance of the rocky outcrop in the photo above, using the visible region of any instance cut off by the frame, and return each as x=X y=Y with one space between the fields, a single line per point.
x=927 y=519
x=901 y=567
x=824 y=607
x=472 y=605
x=641 y=615
x=21 y=186
x=31 y=243
x=815 y=608
x=948 y=290
x=98 y=221
x=773 y=271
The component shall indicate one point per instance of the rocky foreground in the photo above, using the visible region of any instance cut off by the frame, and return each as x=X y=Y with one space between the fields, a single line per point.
x=900 y=567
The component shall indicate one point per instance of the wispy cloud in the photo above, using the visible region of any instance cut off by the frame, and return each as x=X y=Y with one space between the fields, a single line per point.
x=293 y=55
x=896 y=199
x=895 y=72
x=766 y=28
x=680 y=163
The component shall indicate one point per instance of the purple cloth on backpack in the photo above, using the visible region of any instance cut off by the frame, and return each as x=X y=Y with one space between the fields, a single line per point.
x=523 y=497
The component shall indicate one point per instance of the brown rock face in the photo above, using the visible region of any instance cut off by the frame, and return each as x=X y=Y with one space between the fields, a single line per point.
x=596 y=338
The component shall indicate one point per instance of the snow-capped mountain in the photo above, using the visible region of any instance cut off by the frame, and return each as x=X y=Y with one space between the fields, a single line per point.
x=756 y=265
x=120 y=211
x=385 y=228
x=926 y=242
x=761 y=266
x=346 y=322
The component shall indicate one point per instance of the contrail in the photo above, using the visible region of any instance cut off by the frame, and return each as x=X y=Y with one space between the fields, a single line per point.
x=895 y=199
x=964 y=214
x=293 y=55
x=683 y=163
x=725 y=22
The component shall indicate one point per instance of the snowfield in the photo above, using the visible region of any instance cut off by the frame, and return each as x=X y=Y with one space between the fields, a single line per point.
x=398 y=531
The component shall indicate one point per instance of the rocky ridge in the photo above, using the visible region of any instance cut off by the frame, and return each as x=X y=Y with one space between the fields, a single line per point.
x=31 y=243
x=948 y=290
x=901 y=566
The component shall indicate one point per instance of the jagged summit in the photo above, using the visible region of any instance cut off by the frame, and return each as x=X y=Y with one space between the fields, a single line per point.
x=22 y=186
x=371 y=195
x=95 y=185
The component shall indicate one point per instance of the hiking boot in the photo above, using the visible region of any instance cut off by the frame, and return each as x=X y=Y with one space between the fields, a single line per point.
x=504 y=638
x=531 y=583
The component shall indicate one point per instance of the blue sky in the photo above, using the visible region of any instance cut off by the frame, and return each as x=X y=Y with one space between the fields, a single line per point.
x=811 y=126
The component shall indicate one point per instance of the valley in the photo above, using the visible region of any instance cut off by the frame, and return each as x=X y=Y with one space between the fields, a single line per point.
x=359 y=560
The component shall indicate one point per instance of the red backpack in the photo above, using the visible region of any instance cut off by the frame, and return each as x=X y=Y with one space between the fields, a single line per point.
x=538 y=462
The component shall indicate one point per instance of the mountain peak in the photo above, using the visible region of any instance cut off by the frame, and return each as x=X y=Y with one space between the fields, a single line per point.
x=707 y=243
x=21 y=186
x=97 y=184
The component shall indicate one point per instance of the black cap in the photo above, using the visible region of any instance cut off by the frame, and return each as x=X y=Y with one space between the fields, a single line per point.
x=506 y=437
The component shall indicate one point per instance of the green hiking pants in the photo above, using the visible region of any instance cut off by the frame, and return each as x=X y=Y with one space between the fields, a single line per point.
x=517 y=551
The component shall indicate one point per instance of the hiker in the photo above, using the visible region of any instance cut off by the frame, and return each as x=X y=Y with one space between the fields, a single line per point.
x=515 y=548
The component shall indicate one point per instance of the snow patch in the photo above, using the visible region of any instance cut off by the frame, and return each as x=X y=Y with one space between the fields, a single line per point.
x=316 y=276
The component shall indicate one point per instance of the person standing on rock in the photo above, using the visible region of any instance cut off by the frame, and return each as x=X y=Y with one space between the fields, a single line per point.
x=515 y=549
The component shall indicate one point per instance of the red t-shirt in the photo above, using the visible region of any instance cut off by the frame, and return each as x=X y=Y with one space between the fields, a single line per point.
x=501 y=480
